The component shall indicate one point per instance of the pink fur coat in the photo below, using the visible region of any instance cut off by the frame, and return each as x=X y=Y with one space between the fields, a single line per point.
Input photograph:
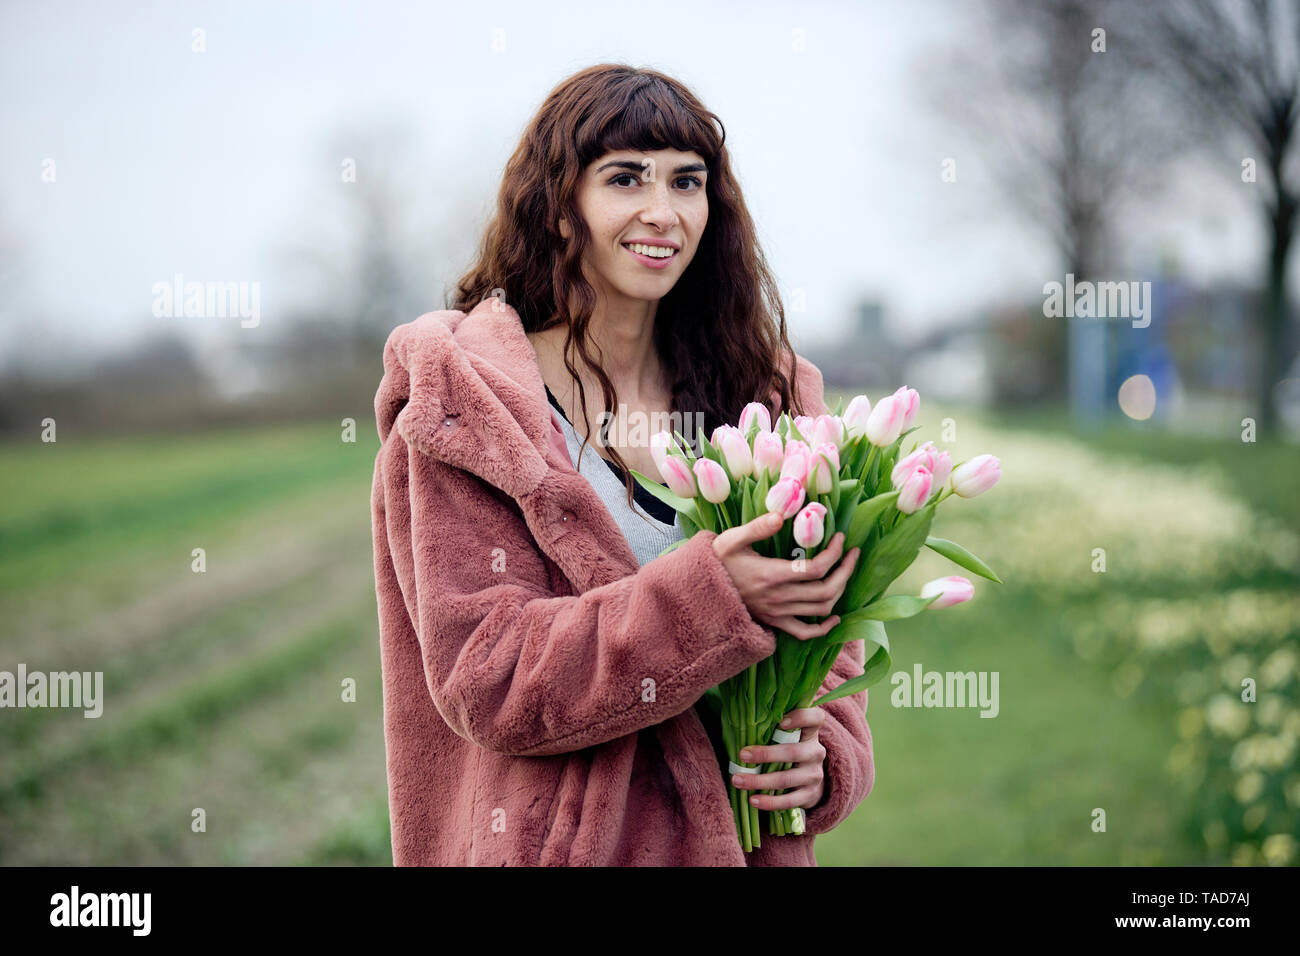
x=538 y=684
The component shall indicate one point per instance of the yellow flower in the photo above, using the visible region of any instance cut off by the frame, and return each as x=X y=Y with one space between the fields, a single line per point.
x=1227 y=717
x=1243 y=854
x=1249 y=786
x=1279 y=849
x=1278 y=667
x=1292 y=790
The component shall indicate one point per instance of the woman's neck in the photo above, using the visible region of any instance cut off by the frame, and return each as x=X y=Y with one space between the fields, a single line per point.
x=624 y=346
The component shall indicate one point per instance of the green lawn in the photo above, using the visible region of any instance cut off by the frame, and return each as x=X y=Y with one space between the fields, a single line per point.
x=223 y=688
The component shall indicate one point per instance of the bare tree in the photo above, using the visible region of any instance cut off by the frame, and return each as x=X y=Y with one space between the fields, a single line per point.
x=1051 y=94
x=1236 y=68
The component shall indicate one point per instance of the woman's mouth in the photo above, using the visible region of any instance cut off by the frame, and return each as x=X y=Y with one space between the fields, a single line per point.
x=655 y=257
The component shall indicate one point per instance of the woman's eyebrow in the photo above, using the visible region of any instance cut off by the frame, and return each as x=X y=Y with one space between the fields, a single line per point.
x=636 y=167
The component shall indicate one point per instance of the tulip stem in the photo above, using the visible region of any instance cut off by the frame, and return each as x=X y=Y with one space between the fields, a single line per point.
x=722 y=517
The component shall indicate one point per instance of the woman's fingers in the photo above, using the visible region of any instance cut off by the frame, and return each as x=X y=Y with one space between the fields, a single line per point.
x=783 y=801
x=745 y=535
x=802 y=629
x=816 y=569
x=806 y=594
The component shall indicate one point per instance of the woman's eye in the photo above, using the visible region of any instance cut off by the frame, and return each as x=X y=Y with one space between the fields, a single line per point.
x=617 y=180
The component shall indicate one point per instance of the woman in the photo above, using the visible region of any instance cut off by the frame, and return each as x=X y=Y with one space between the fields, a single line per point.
x=539 y=673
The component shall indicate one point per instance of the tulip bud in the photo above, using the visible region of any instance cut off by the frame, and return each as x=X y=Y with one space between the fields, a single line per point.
x=755 y=411
x=805 y=423
x=915 y=491
x=910 y=401
x=714 y=485
x=954 y=590
x=677 y=475
x=735 y=449
x=768 y=454
x=885 y=422
x=939 y=463
x=785 y=497
x=810 y=525
x=906 y=465
x=825 y=470
x=976 y=476
x=856 y=415
x=660 y=443
x=941 y=468
x=798 y=461
x=828 y=429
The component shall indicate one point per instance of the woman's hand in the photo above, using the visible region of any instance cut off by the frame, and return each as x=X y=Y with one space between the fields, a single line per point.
x=804 y=781
x=776 y=590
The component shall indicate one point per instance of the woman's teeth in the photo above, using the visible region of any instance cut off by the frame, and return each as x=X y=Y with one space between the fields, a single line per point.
x=654 y=252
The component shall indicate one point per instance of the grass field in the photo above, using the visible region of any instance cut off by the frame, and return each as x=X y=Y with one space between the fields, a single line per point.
x=223 y=689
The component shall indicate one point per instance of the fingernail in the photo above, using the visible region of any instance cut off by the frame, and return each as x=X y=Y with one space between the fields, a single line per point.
x=786 y=722
x=746 y=756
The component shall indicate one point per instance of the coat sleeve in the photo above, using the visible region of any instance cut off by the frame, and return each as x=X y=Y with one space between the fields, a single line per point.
x=517 y=669
x=849 y=771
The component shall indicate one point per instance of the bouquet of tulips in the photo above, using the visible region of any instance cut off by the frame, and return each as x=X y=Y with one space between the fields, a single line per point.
x=838 y=472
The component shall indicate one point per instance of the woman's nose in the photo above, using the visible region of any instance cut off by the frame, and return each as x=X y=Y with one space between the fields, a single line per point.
x=660 y=210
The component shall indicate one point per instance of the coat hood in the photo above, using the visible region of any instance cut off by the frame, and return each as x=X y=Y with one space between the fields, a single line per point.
x=465 y=388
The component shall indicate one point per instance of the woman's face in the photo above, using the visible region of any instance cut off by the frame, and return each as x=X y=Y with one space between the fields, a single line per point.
x=657 y=197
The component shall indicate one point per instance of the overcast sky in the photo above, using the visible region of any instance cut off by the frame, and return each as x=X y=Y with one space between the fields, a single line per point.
x=207 y=164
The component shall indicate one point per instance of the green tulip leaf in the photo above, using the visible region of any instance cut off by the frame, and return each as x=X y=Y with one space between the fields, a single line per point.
x=878 y=664
x=864 y=517
x=891 y=556
x=892 y=608
x=961 y=557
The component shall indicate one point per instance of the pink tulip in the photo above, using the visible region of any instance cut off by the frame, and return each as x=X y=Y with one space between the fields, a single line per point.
x=885 y=421
x=677 y=475
x=911 y=401
x=660 y=443
x=938 y=462
x=798 y=461
x=768 y=454
x=755 y=411
x=735 y=449
x=785 y=497
x=714 y=485
x=915 y=491
x=906 y=465
x=941 y=467
x=953 y=589
x=810 y=525
x=829 y=429
x=976 y=476
x=805 y=423
x=856 y=415
x=825 y=469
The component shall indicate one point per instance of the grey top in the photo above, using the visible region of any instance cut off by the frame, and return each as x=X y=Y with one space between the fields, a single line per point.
x=645 y=534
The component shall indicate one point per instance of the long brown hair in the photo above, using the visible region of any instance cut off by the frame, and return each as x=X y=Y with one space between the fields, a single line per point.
x=720 y=332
